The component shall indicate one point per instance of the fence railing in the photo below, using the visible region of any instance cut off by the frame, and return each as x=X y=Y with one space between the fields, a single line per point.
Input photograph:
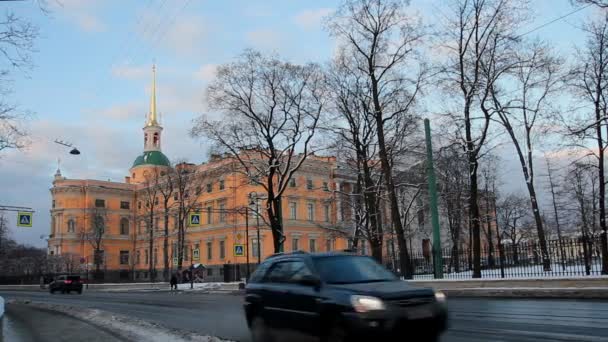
x=566 y=258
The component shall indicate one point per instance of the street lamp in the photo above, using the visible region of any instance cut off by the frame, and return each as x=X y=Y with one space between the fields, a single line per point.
x=73 y=151
x=253 y=195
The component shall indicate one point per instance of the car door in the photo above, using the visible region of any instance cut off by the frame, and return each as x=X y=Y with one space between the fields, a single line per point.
x=274 y=295
x=303 y=298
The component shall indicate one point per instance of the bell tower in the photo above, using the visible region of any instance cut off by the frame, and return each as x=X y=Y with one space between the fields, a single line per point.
x=152 y=129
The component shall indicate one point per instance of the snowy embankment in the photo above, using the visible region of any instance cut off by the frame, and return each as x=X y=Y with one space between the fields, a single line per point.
x=1 y=307
x=524 y=272
x=129 y=328
x=208 y=286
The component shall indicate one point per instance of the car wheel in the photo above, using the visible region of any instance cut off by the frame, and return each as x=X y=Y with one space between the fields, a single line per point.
x=259 y=330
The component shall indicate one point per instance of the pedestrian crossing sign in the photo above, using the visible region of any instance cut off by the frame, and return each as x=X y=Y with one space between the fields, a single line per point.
x=239 y=250
x=24 y=219
x=194 y=220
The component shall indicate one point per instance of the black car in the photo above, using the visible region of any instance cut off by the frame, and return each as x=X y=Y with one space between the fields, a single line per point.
x=339 y=297
x=66 y=284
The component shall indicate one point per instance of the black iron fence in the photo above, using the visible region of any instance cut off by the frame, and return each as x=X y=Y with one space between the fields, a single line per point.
x=566 y=257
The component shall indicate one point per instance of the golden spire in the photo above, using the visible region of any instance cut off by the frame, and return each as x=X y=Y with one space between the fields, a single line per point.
x=152 y=121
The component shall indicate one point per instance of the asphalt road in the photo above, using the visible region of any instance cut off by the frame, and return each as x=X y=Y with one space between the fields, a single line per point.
x=470 y=319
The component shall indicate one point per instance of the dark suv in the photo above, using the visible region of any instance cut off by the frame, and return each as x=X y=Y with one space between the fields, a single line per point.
x=66 y=283
x=339 y=297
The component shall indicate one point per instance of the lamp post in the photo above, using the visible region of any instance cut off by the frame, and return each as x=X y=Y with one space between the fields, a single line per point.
x=253 y=195
x=247 y=238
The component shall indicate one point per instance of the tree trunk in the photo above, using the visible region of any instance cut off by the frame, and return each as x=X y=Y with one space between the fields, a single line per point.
x=515 y=248
x=557 y=225
x=474 y=208
x=539 y=228
x=376 y=236
x=151 y=247
x=404 y=256
x=491 y=263
x=166 y=246
x=602 y=192
x=528 y=171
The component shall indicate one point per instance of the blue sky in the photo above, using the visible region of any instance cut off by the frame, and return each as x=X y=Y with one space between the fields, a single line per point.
x=90 y=83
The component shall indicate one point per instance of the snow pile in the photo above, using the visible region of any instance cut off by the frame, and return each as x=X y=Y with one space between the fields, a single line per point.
x=200 y=286
x=531 y=271
x=1 y=307
x=127 y=327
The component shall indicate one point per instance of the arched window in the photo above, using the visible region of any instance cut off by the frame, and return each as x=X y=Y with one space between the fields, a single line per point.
x=155 y=139
x=124 y=226
x=71 y=225
x=145 y=139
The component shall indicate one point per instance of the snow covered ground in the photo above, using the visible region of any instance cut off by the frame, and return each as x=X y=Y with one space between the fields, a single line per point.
x=532 y=271
x=127 y=327
x=1 y=307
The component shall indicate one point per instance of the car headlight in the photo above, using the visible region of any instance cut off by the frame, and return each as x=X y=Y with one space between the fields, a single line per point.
x=366 y=303
x=440 y=297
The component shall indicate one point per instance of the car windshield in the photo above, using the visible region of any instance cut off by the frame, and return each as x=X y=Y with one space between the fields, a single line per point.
x=349 y=269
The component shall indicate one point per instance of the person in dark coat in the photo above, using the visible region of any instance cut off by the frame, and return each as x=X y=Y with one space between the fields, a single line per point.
x=173 y=282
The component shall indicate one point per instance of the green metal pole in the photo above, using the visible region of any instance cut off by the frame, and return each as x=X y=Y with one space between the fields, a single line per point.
x=433 y=202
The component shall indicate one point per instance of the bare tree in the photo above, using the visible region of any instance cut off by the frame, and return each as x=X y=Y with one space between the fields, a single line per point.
x=165 y=183
x=95 y=236
x=553 y=189
x=452 y=171
x=581 y=176
x=480 y=36
x=187 y=184
x=522 y=101
x=590 y=80
x=271 y=110
x=512 y=217
x=17 y=37
x=382 y=42
x=356 y=143
x=150 y=196
x=599 y=3
x=4 y=232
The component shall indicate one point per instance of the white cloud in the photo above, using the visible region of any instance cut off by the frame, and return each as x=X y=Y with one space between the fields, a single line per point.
x=311 y=19
x=265 y=39
x=206 y=72
x=84 y=13
x=131 y=72
x=184 y=37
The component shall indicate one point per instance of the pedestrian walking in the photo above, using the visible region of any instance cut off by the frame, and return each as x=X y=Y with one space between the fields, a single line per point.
x=173 y=282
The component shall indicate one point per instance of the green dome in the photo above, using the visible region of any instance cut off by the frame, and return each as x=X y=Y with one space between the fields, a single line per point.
x=152 y=158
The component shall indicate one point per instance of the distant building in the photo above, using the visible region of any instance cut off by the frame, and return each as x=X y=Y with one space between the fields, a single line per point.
x=112 y=218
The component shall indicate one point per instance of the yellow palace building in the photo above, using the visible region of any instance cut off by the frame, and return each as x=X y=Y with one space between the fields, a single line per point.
x=106 y=225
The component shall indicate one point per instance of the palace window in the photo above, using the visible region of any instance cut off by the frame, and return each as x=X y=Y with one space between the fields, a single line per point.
x=209 y=187
x=295 y=244
x=125 y=205
x=311 y=211
x=325 y=186
x=124 y=257
x=222 y=209
x=309 y=184
x=71 y=225
x=292 y=182
x=124 y=226
x=326 y=211
x=209 y=250
x=221 y=184
x=329 y=245
x=293 y=208
x=312 y=245
x=99 y=203
x=222 y=249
